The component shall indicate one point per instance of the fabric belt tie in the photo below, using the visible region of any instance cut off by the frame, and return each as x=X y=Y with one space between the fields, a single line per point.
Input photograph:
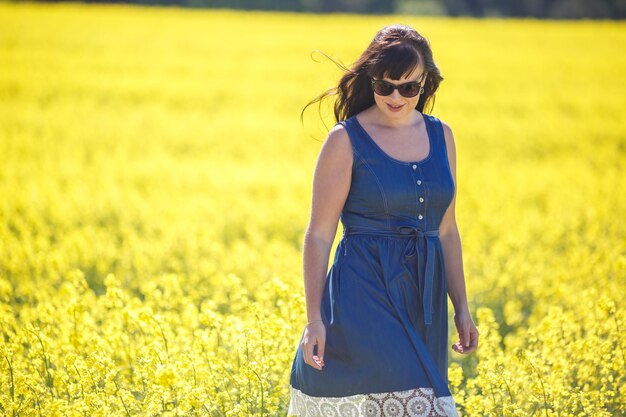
x=432 y=236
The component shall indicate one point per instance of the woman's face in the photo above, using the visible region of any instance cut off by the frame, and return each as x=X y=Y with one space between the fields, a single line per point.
x=396 y=106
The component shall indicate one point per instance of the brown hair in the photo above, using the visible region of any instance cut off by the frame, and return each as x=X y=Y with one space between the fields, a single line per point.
x=395 y=51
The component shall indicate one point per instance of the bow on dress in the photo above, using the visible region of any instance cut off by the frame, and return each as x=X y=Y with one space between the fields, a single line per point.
x=431 y=236
x=431 y=247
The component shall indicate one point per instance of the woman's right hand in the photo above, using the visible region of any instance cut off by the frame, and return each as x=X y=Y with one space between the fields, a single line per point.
x=314 y=334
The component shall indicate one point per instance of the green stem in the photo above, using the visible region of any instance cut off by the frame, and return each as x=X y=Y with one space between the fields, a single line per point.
x=543 y=388
x=164 y=338
x=508 y=387
x=261 y=331
x=262 y=391
x=619 y=339
x=36 y=399
x=80 y=379
x=11 y=376
x=49 y=379
x=117 y=393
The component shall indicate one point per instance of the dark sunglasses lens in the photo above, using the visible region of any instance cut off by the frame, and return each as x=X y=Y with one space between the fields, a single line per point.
x=409 y=89
x=383 y=88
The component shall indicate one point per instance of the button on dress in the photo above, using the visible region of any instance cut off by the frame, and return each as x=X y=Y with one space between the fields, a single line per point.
x=384 y=302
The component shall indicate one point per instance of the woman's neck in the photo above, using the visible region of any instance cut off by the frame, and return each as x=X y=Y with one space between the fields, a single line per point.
x=379 y=118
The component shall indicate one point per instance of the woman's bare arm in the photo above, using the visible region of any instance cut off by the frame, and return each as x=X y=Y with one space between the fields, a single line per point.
x=451 y=239
x=331 y=184
x=453 y=259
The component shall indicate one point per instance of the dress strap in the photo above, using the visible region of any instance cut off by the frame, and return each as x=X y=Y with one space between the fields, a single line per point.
x=355 y=136
x=435 y=130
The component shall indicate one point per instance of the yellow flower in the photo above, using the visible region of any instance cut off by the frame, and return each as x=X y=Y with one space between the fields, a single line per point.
x=166 y=375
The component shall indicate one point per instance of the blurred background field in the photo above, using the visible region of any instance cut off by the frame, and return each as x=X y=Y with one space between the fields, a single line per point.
x=156 y=181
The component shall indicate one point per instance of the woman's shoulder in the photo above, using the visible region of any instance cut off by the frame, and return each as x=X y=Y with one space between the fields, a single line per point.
x=339 y=141
x=338 y=131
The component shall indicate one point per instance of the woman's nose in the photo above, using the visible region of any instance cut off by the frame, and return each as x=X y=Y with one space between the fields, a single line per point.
x=396 y=94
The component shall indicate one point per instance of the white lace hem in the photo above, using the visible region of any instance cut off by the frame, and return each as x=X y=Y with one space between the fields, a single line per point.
x=417 y=402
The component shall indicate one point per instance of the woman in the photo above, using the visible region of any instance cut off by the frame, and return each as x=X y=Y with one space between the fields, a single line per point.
x=375 y=342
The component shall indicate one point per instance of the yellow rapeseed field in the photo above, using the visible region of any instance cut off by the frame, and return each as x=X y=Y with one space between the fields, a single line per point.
x=155 y=184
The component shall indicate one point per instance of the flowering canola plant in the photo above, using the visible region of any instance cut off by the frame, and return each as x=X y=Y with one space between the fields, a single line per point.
x=156 y=185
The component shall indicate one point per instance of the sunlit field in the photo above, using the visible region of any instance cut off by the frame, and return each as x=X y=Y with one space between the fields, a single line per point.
x=155 y=185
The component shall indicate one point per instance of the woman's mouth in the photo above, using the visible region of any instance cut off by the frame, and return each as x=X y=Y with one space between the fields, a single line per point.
x=395 y=108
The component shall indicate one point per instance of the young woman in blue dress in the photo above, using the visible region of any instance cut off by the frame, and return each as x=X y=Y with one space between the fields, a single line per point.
x=389 y=109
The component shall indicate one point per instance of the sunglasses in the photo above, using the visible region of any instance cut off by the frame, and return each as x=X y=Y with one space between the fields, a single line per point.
x=408 y=90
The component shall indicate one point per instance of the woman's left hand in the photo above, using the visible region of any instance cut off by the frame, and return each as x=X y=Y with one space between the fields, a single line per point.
x=468 y=333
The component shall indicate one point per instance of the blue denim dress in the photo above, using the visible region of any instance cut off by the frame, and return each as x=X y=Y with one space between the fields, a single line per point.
x=384 y=302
